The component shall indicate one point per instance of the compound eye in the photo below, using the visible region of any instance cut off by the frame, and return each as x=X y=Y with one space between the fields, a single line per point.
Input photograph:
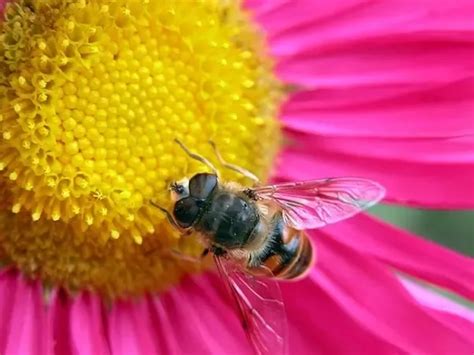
x=186 y=212
x=202 y=185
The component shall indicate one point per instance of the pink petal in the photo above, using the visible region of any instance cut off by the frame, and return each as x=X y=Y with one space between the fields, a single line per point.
x=23 y=321
x=458 y=150
x=383 y=61
x=453 y=314
x=91 y=339
x=60 y=319
x=166 y=338
x=200 y=310
x=380 y=68
x=433 y=173
x=437 y=301
x=309 y=334
x=319 y=325
x=416 y=110
x=7 y=286
x=131 y=331
x=406 y=252
x=308 y=23
x=376 y=301
x=181 y=324
x=366 y=42
x=270 y=14
x=259 y=7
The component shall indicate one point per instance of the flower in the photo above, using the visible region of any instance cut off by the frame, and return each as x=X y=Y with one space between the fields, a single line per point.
x=382 y=90
x=92 y=103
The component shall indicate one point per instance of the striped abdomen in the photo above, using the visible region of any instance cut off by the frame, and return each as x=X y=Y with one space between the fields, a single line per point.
x=289 y=254
x=294 y=259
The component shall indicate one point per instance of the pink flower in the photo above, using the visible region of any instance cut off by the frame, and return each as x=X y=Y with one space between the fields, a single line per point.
x=386 y=93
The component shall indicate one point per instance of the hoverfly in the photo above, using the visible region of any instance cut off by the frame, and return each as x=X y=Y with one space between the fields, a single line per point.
x=256 y=235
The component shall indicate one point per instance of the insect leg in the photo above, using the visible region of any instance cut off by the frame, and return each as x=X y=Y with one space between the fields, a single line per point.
x=234 y=167
x=168 y=215
x=197 y=157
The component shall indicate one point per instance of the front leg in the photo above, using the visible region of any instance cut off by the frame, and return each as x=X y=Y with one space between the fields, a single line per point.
x=250 y=193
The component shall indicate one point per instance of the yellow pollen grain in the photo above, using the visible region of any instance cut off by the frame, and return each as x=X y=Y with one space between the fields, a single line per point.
x=92 y=95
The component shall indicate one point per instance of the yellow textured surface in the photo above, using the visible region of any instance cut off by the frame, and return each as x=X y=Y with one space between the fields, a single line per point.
x=92 y=95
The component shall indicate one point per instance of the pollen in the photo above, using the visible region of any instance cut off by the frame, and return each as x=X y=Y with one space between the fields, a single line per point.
x=93 y=94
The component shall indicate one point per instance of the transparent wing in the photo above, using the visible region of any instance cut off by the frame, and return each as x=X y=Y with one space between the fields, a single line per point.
x=260 y=305
x=316 y=203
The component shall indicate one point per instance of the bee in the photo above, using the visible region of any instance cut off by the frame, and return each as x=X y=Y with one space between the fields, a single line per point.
x=256 y=235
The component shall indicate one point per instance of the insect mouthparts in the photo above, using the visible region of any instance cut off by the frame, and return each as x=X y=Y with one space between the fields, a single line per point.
x=179 y=189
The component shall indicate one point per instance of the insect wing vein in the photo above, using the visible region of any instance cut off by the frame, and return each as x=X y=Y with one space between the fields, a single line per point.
x=260 y=306
x=316 y=203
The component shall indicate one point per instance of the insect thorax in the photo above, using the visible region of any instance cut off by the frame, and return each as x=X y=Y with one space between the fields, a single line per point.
x=228 y=220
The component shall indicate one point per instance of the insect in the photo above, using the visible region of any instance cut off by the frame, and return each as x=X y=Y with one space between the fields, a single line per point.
x=256 y=235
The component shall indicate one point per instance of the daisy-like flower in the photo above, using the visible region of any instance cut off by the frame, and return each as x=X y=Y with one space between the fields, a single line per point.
x=93 y=94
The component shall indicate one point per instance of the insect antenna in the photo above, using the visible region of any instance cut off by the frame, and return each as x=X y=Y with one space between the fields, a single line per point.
x=197 y=157
x=168 y=215
x=233 y=167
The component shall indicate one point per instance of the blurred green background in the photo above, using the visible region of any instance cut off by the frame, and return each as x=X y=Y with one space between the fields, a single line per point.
x=454 y=229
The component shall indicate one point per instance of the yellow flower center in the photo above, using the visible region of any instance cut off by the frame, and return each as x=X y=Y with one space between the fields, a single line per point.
x=92 y=95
